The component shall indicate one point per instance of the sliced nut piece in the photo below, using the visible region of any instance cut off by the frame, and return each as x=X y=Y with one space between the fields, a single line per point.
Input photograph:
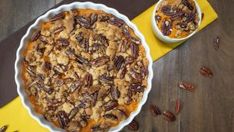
x=58 y=17
x=110 y=105
x=62 y=119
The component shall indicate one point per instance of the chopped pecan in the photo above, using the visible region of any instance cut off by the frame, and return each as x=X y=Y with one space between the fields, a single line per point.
x=135 y=75
x=135 y=40
x=75 y=86
x=129 y=60
x=137 y=87
x=106 y=79
x=110 y=105
x=84 y=22
x=81 y=60
x=116 y=21
x=134 y=126
x=115 y=93
x=187 y=4
x=63 y=42
x=80 y=37
x=101 y=39
x=43 y=39
x=103 y=93
x=63 y=119
x=158 y=18
x=58 y=17
x=123 y=46
x=110 y=116
x=119 y=61
x=47 y=65
x=73 y=112
x=94 y=97
x=122 y=71
x=167 y=10
x=59 y=29
x=88 y=80
x=166 y=27
x=100 y=61
x=134 y=50
x=36 y=35
x=104 y=18
x=93 y=18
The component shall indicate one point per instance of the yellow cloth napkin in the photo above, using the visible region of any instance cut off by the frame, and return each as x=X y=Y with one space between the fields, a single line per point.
x=18 y=118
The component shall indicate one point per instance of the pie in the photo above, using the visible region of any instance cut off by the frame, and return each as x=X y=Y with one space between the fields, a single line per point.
x=177 y=18
x=84 y=70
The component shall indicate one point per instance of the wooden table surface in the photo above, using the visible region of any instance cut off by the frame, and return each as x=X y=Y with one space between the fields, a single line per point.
x=209 y=109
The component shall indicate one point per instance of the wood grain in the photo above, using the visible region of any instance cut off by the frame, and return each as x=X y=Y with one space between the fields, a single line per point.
x=209 y=109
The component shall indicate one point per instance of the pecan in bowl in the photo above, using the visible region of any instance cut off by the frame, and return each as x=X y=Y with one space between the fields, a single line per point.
x=176 y=20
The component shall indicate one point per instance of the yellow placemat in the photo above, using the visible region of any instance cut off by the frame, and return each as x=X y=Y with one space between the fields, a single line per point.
x=17 y=117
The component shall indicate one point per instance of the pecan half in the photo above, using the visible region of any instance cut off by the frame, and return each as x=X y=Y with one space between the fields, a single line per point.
x=206 y=72
x=110 y=116
x=63 y=42
x=115 y=93
x=119 y=61
x=134 y=50
x=187 y=4
x=110 y=105
x=88 y=80
x=169 y=116
x=136 y=87
x=155 y=110
x=75 y=86
x=100 y=61
x=59 y=29
x=122 y=71
x=81 y=60
x=43 y=39
x=58 y=17
x=135 y=40
x=134 y=126
x=106 y=79
x=36 y=35
x=116 y=21
x=177 y=106
x=186 y=86
x=82 y=21
x=73 y=112
x=93 y=18
x=63 y=119
x=167 y=10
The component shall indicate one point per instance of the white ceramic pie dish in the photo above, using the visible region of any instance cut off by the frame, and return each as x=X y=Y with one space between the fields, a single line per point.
x=45 y=17
x=167 y=39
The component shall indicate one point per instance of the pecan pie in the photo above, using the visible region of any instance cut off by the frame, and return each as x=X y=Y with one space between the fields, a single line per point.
x=84 y=70
x=177 y=18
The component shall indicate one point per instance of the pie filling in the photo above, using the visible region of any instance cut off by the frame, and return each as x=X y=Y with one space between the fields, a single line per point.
x=177 y=18
x=84 y=70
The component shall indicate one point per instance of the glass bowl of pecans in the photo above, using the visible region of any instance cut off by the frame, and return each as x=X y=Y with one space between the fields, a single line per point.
x=176 y=20
x=83 y=67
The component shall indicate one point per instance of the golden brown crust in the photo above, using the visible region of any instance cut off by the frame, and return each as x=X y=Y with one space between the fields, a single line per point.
x=85 y=70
